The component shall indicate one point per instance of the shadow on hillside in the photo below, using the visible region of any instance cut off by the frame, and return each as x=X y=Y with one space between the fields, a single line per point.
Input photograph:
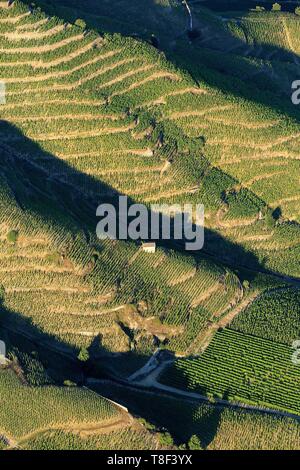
x=254 y=86
x=51 y=189
x=168 y=412
x=144 y=19
x=48 y=188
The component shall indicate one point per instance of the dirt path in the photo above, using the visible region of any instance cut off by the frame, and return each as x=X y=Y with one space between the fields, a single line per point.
x=62 y=101
x=151 y=78
x=262 y=177
x=26 y=26
x=183 y=278
x=120 y=421
x=206 y=295
x=28 y=35
x=115 y=152
x=260 y=146
x=82 y=81
x=40 y=64
x=62 y=73
x=270 y=156
x=196 y=113
x=237 y=223
x=286 y=199
x=34 y=268
x=81 y=135
x=121 y=78
x=245 y=125
x=67 y=290
x=169 y=194
x=203 y=339
x=41 y=49
x=250 y=238
x=14 y=19
x=86 y=312
x=69 y=117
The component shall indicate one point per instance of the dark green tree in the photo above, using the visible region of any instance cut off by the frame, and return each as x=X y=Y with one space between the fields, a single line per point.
x=194 y=443
x=83 y=355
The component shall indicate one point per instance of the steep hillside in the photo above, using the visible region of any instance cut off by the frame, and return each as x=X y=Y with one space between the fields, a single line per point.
x=28 y=411
x=89 y=117
x=49 y=417
x=243 y=113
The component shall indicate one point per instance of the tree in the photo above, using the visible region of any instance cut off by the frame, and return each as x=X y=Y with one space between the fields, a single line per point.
x=83 y=355
x=166 y=439
x=276 y=7
x=269 y=219
x=12 y=236
x=194 y=443
x=182 y=447
x=80 y=23
x=147 y=425
x=69 y=383
x=297 y=11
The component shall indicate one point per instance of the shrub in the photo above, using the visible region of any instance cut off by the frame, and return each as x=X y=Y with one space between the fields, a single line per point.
x=297 y=11
x=194 y=443
x=276 y=7
x=269 y=219
x=83 y=355
x=69 y=383
x=147 y=425
x=12 y=236
x=80 y=23
x=182 y=447
x=165 y=439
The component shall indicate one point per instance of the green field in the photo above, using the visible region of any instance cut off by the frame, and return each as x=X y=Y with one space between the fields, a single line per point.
x=274 y=316
x=25 y=410
x=241 y=368
x=217 y=427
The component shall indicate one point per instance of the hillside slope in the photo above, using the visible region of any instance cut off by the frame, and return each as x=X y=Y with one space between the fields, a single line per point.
x=89 y=117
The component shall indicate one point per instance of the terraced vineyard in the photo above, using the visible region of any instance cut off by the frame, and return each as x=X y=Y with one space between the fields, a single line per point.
x=91 y=114
x=274 y=316
x=131 y=439
x=52 y=417
x=66 y=121
x=25 y=410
